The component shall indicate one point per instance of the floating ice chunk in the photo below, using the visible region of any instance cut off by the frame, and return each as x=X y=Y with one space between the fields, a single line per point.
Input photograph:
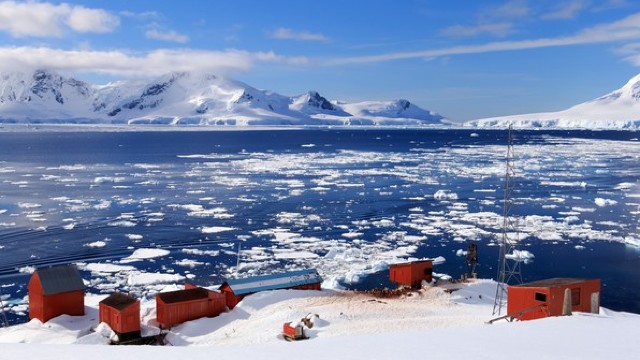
x=26 y=205
x=108 y=179
x=140 y=254
x=352 y=234
x=138 y=279
x=445 y=195
x=123 y=223
x=520 y=255
x=133 y=236
x=604 y=202
x=201 y=252
x=461 y=252
x=632 y=241
x=215 y=229
x=579 y=247
x=108 y=268
x=624 y=186
x=189 y=263
x=69 y=226
x=27 y=269
x=96 y=244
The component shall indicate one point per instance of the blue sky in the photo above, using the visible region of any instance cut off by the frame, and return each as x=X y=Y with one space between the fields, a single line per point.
x=463 y=59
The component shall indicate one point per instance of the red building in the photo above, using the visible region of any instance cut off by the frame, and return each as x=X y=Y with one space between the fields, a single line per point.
x=175 y=307
x=411 y=273
x=55 y=291
x=122 y=313
x=236 y=289
x=544 y=298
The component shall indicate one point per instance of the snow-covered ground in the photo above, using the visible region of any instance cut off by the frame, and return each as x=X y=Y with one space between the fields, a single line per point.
x=433 y=322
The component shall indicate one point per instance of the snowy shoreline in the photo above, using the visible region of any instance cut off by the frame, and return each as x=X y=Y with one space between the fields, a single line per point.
x=434 y=320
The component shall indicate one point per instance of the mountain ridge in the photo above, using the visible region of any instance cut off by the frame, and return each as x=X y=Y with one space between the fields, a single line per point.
x=183 y=98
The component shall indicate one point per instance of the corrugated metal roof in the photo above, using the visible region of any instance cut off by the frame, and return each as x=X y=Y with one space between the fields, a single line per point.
x=118 y=300
x=274 y=281
x=60 y=279
x=553 y=282
x=184 y=295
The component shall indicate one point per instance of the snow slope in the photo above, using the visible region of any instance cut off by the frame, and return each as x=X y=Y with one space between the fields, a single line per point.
x=347 y=325
x=619 y=109
x=185 y=99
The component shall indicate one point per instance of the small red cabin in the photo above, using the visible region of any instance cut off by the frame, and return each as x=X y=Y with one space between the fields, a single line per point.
x=236 y=289
x=122 y=313
x=55 y=291
x=544 y=298
x=175 y=307
x=411 y=273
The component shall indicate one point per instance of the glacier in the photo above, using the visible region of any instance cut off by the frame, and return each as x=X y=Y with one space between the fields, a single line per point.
x=619 y=109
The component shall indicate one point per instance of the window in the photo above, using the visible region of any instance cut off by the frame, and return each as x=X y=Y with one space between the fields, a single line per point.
x=540 y=297
x=575 y=296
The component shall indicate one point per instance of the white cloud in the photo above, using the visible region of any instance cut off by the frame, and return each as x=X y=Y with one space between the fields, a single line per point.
x=23 y=19
x=500 y=29
x=566 y=10
x=85 y=20
x=140 y=15
x=289 y=34
x=625 y=29
x=128 y=64
x=167 y=35
x=511 y=9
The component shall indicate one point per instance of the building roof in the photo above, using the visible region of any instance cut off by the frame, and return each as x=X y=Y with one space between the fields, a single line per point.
x=60 y=279
x=553 y=282
x=195 y=293
x=412 y=262
x=274 y=281
x=119 y=301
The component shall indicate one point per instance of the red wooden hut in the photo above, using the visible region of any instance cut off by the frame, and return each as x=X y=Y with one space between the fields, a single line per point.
x=411 y=273
x=122 y=313
x=544 y=298
x=175 y=307
x=236 y=289
x=54 y=291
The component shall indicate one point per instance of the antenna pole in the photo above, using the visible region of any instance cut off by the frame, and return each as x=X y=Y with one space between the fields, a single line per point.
x=509 y=264
x=3 y=317
x=238 y=259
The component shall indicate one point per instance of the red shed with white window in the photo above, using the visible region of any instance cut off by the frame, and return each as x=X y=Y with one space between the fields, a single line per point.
x=411 y=273
x=122 y=313
x=553 y=297
x=55 y=291
x=175 y=307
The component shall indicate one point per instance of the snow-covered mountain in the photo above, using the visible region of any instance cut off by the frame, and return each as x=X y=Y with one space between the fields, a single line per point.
x=186 y=99
x=619 y=109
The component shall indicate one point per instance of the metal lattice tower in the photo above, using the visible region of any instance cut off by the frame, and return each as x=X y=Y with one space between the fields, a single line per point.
x=3 y=317
x=509 y=266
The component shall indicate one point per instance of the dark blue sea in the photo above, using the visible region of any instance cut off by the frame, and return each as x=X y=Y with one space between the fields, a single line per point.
x=141 y=210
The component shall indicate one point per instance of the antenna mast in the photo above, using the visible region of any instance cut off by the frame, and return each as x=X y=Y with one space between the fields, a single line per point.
x=3 y=317
x=509 y=264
